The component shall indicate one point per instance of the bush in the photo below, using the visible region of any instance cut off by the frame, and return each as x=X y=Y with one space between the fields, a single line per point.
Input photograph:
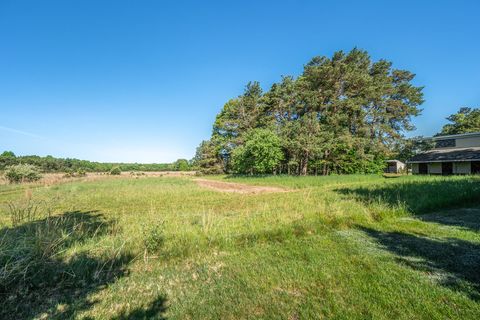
x=153 y=237
x=69 y=173
x=261 y=153
x=181 y=165
x=116 y=171
x=22 y=173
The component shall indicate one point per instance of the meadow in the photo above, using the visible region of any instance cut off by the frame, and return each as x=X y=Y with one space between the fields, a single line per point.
x=336 y=247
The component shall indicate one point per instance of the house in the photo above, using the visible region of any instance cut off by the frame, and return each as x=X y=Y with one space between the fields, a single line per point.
x=395 y=166
x=454 y=154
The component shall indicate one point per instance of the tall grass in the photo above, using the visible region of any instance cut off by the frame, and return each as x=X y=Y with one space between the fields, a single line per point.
x=418 y=195
x=218 y=255
x=43 y=252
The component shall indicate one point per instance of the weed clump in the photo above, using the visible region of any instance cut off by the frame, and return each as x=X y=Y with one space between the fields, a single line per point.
x=26 y=211
x=81 y=173
x=137 y=174
x=34 y=248
x=153 y=237
x=35 y=258
x=74 y=174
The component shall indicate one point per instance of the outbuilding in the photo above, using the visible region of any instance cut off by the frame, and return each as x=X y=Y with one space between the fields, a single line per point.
x=453 y=154
x=395 y=166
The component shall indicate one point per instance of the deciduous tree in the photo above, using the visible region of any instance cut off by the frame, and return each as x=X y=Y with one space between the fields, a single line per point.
x=261 y=153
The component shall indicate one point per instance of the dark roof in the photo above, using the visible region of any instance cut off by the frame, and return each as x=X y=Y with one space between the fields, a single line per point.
x=444 y=155
x=455 y=136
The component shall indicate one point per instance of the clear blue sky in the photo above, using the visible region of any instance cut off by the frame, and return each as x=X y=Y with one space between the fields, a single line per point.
x=143 y=80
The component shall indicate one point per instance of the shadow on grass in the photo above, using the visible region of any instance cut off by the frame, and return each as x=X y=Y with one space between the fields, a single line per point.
x=38 y=281
x=454 y=262
x=420 y=197
x=155 y=310
x=466 y=218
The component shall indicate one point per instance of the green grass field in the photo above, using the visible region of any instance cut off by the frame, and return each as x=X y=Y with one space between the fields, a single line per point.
x=337 y=247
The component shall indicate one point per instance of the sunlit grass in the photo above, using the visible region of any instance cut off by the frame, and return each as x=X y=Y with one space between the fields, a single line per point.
x=327 y=248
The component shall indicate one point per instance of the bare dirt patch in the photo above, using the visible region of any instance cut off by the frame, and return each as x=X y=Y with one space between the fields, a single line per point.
x=236 y=187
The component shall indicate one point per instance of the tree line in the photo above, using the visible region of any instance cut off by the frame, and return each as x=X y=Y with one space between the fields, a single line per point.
x=343 y=114
x=52 y=164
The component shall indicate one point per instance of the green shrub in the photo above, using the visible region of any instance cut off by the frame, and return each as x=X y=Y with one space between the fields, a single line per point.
x=261 y=153
x=22 y=173
x=181 y=165
x=69 y=173
x=153 y=237
x=116 y=171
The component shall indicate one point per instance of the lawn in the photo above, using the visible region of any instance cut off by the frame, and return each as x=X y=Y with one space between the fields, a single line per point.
x=332 y=247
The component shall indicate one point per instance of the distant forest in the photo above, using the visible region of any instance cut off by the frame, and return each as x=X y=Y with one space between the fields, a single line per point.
x=52 y=164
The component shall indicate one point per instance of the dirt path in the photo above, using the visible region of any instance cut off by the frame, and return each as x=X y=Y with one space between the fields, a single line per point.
x=236 y=187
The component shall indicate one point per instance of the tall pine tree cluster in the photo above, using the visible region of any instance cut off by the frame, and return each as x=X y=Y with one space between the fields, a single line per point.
x=341 y=115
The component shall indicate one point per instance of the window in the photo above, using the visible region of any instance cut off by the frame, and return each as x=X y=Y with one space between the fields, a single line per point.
x=447 y=143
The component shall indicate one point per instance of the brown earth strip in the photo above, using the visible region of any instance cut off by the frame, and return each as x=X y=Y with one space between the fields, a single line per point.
x=236 y=187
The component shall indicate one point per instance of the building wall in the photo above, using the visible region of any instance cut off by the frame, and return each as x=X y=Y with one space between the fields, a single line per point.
x=415 y=168
x=435 y=168
x=395 y=167
x=462 y=167
x=467 y=142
